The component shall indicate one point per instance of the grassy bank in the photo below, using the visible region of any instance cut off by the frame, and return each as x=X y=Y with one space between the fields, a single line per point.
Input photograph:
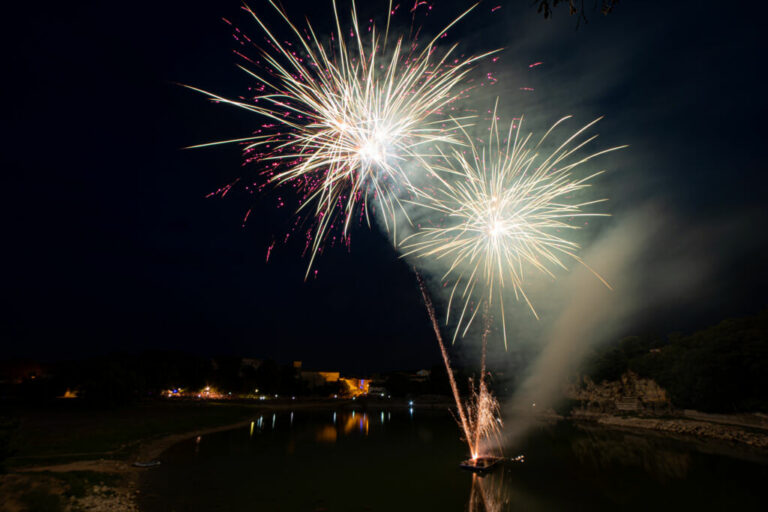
x=64 y=432
x=67 y=456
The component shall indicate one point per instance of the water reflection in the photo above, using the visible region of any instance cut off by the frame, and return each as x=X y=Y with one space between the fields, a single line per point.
x=327 y=434
x=599 y=453
x=489 y=493
x=345 y=424
x=313 y=461
x=600 y=469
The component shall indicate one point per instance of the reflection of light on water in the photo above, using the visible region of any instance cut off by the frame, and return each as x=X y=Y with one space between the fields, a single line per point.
x=363 y=424
x=251 y=433
x=605 y=453
x=349 y=423
x=327 y=434
x=489 y=494
x=354 y=422
x=410 y=410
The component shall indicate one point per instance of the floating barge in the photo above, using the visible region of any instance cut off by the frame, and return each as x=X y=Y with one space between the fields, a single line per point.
x=149 y=464
x=483 y=465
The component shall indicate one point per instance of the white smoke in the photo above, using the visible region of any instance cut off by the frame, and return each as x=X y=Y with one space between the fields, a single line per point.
x=655 y=263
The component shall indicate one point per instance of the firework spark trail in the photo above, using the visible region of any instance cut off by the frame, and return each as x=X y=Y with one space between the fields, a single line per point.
x=483 y=407
x=347 y=118
x=480 y=417
x=505 y=206
x=485 y=420
x=444 y=352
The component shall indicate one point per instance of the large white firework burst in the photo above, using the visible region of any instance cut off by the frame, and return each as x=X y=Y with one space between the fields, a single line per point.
x=350 y=113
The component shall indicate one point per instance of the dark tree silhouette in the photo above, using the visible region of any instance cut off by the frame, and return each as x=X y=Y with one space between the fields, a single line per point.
x=721 y=368
x=575 y=7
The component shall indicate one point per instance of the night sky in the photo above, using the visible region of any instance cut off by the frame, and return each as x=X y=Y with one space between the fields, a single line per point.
x=111 y=245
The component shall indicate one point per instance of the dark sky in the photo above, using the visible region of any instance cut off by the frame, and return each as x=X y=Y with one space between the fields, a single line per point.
x=111 y=245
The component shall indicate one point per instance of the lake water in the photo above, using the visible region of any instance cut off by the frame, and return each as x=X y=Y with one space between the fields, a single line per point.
x=398 y=460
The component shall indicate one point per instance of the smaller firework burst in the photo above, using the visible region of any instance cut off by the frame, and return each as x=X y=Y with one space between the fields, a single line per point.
x=506 y=208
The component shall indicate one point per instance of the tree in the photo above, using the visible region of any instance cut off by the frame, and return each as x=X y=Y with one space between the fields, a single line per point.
x=574 y=7
x=718 y=369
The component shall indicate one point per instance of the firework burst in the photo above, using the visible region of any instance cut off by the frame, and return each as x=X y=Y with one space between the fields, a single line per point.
x=507 y=207
x=348 y=114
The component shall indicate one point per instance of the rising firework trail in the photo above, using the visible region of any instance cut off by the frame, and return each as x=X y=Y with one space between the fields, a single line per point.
x=463 y=421
x=346 y=115
x=479 y=417
x=506 y=207
x=483 y=405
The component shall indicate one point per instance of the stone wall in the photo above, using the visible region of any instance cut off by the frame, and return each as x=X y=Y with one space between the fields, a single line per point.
x=630 y=393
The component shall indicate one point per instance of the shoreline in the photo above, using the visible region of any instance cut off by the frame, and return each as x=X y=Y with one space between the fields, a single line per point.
x=714 y=427
x=109 y=483
x=119 y=496
x=692 y=424
x=744 y=432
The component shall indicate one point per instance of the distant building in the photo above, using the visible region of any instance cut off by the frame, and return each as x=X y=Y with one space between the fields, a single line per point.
x=16 y=372
x=420 y=376
x=318 y=379
x=348 y=386
x=379 y=391
x=355 y=387
x=69 y=393
x=249 y=362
